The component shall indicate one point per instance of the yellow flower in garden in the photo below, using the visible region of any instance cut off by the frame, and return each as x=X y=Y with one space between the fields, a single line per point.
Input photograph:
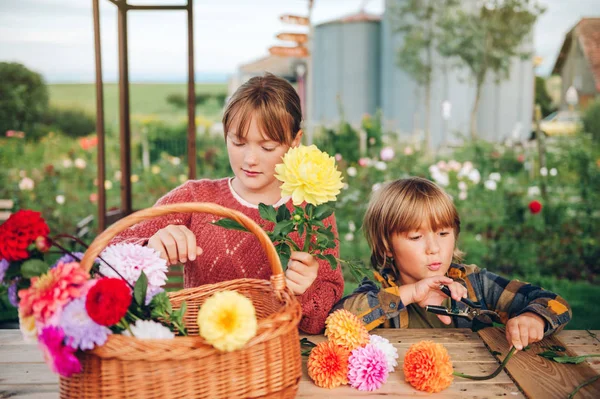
x=309 y=174
x=227 y=320
x=346 y=330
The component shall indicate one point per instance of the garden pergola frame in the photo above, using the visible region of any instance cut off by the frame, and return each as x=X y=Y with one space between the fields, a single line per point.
x=105 y=219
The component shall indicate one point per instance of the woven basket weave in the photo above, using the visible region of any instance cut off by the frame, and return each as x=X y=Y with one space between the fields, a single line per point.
x=269 y=365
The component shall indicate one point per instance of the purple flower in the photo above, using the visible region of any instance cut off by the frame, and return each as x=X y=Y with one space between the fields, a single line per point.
x=3 y=268
x=81 y=331
x=13 y=298
x=68 y=259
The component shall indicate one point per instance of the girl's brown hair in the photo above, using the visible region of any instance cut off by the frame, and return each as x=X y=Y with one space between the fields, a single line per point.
x=402 y=206
x=272 y=101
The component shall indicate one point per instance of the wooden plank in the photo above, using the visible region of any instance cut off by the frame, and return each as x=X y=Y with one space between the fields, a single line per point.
x=26 y=374
x=39 y=391
x=24 y=353
x=580 y=337
x=539 y=377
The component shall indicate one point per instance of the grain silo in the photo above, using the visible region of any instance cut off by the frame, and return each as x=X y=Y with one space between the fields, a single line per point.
x=346 y=54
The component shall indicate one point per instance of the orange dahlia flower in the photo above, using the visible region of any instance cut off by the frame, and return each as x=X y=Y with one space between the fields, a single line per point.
x=328 y=365
x=346 y=330
x=427 y=367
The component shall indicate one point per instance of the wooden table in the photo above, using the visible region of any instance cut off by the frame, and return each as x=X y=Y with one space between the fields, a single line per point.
x=24 y=375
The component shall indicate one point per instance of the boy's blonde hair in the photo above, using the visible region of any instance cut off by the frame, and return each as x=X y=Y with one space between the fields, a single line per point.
x=402 y=206
x=272 y=101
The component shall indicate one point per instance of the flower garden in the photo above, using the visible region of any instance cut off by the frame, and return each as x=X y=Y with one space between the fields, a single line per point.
x=540 y=224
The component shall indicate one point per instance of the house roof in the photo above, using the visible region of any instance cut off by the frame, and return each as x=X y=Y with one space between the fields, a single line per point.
x=361 y=16
x=280 y=66
x=587 y=32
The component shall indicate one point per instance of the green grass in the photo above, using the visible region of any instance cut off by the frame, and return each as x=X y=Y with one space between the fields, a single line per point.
x=145 y=99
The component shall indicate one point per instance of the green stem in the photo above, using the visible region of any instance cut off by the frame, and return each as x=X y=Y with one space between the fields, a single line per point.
x=307 y=239
x=494 y=374
x=587 y=382
x=124 y=324
x=132 y=315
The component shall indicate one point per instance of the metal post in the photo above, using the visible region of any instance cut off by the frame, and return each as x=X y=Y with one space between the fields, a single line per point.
x=99 y=119
x=124 y=117
x=191 y=133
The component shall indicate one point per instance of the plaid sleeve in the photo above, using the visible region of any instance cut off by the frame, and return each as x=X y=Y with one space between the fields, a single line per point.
x=510 y=298
x=375 y=306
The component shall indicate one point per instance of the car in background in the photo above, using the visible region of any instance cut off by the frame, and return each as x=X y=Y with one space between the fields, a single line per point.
x=560 y=123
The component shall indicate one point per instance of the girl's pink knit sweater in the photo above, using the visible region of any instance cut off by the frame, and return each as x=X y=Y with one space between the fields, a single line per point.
x=230 y=254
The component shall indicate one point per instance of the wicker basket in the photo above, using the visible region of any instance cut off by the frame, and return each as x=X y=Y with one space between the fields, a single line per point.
x=269 y=365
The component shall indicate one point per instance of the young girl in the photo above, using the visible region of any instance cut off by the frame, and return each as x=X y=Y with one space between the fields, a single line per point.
x=261 y=122
x=412 y=227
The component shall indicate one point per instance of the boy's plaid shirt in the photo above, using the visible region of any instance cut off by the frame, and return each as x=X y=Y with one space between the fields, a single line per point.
x=509 y=298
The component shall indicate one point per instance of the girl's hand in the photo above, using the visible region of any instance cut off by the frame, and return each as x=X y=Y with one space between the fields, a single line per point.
x=427 y=292
x=176 y=244
x=301 y=272
x=525 y=329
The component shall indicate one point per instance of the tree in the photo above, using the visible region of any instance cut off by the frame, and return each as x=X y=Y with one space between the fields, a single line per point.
x=418 y=20
x=23 y=98
x=487 y=38
x=542 y=97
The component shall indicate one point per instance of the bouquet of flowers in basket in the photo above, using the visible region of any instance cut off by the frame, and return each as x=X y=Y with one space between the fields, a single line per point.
x=67 y=309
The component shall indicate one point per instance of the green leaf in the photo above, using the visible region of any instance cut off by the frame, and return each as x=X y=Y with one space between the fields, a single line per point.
x=556 y=348
x=267 y=212
x=332 y=261
x=306 y=342
x=282 y=229
x=160 y=305
x=565 y=359
x=323 y=211
x=284 y=252
x=230 y=224
x=283 y=213
x=33 y=268
x=139 y=291
x=309 y=210
x=301 y=228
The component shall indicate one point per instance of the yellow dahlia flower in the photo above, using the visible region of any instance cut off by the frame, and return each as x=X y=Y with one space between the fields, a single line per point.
x=227 y=320
x=346 y=330
x=309 y=174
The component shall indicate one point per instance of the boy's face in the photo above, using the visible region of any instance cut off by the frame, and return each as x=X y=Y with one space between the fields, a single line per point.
x=253 y=159
x=422 y=253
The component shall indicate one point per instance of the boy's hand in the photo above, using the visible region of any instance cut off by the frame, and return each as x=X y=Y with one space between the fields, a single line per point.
x=427 y=292
x=175 y=243
x=301 y=272
x=525 y=329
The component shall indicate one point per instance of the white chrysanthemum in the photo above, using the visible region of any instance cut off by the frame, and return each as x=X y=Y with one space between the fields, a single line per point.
x=148 y=329
x=391 y=353
x=351 y=171
x=130 y=259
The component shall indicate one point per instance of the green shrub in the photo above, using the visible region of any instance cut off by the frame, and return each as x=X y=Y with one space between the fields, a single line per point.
x=23 y=99
x=71 y=122
x=591 y=120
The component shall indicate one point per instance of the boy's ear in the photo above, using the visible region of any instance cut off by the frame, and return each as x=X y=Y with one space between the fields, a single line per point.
x=298 y=139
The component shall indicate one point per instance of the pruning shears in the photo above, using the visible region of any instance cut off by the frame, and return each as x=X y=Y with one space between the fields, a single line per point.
x=471 y=311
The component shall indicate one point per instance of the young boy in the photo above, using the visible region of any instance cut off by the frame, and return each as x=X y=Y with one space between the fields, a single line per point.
x=412 y=227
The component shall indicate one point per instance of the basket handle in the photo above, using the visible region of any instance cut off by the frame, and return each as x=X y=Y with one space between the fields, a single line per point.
x=104 y=238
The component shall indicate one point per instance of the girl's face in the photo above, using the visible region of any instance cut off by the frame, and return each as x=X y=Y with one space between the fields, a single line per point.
x=422 y=253
x=253 y=159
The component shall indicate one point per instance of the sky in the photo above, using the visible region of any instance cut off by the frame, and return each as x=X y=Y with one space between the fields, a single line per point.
x=55 y=37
